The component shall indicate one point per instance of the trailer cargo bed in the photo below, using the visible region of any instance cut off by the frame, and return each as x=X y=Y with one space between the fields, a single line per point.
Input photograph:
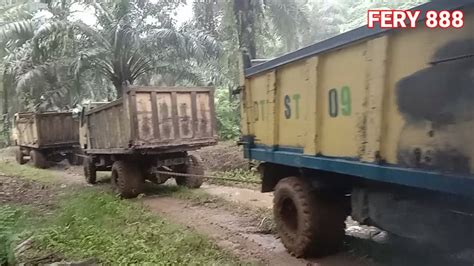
x=153 y=119
x=49 y=136
x=46 y=130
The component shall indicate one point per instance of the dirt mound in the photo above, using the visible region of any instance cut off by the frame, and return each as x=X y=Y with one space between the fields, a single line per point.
x=224 y=156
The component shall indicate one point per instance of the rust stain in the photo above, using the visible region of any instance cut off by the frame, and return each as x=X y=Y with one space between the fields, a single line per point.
x=165 y=116
x=185 y=119
x=146 y=128
x=204 y=122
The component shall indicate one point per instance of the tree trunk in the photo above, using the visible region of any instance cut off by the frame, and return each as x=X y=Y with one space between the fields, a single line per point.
x=6 y=84
x=244 y=11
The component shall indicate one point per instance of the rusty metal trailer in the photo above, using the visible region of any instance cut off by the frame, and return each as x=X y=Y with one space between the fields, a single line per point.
x=373 y=123
x=48 y=136
x=149 y=129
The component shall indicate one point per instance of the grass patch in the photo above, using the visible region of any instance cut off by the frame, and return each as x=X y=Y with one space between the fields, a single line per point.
x=10 y=226
x=244 y=178
x=98 y=225
x=26 y=171
x=15 y=225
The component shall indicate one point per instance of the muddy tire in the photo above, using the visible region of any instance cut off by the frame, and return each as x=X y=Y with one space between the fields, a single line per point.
x=38 y=159
x=194 y=166
x=90 y=171
x=20 y=157
x=127 y=179
x=307 y=223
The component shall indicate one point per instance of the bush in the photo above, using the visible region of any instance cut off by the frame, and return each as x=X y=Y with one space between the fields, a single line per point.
x=228 y=115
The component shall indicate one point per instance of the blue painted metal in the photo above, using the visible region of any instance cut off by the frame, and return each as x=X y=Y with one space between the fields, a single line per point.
x=351 y=37
x=460 y=185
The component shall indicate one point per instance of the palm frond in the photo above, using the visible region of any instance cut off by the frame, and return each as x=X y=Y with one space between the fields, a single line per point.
x=31 y=76
x=23 y=29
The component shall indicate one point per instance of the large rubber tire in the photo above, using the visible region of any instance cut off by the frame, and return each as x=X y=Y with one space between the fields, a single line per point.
x=20 y=157
x=307 y=223
x=194 y=166
x=90 y=171
x=127 y=179
x=38 y=159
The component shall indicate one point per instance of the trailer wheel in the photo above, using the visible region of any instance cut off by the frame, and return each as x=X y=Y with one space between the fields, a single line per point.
x=20 y=157
x=90 y=172
x=38 y=159
x=127 y=179
x=307 y=223
x=193 y=167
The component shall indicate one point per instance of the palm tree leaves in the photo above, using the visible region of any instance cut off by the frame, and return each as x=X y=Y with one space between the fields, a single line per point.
x=54 y=58
x=18 y=30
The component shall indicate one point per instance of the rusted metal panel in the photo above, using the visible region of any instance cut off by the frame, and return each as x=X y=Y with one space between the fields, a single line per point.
x=154 y=118
x=164 y=114
x=42 y=130
x=183 y=104
x=204 y=118
x=194 y=112
x=154 y=110
x=174 y=112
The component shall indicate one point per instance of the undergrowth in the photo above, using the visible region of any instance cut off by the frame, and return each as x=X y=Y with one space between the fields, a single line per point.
x=98 y=225
x=12 y=228
x=244 y=178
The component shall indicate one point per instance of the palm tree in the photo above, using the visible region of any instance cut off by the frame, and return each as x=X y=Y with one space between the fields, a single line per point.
x=285 y=17
x=123 y=48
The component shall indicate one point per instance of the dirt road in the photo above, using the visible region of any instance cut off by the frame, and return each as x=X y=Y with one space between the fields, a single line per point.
x=239 y=234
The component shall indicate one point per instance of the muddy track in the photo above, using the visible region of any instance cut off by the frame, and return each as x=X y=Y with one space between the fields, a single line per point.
x=236 y=233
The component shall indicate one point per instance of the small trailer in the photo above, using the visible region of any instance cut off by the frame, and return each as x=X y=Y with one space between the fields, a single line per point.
x=48 y=136
x=149 y=129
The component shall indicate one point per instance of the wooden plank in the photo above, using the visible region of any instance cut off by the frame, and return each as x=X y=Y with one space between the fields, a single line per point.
x=105 y=106
x=174 y=114
x=165 y=116
x=376 y=91
x=144 y=117
x=212 y=113
x=184 y=115
x=133 y=115
x=272 y=109
x=38 y=131
x=109 y=151
x=313 y=116
x=194 y=113
x=155 y=117
x=168 y=89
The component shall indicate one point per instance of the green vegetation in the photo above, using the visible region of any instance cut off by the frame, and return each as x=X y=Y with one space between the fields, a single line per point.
x=12 y=226
x=97 y=224
x=243 y=178
x=10 y=168
x=92 y=224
